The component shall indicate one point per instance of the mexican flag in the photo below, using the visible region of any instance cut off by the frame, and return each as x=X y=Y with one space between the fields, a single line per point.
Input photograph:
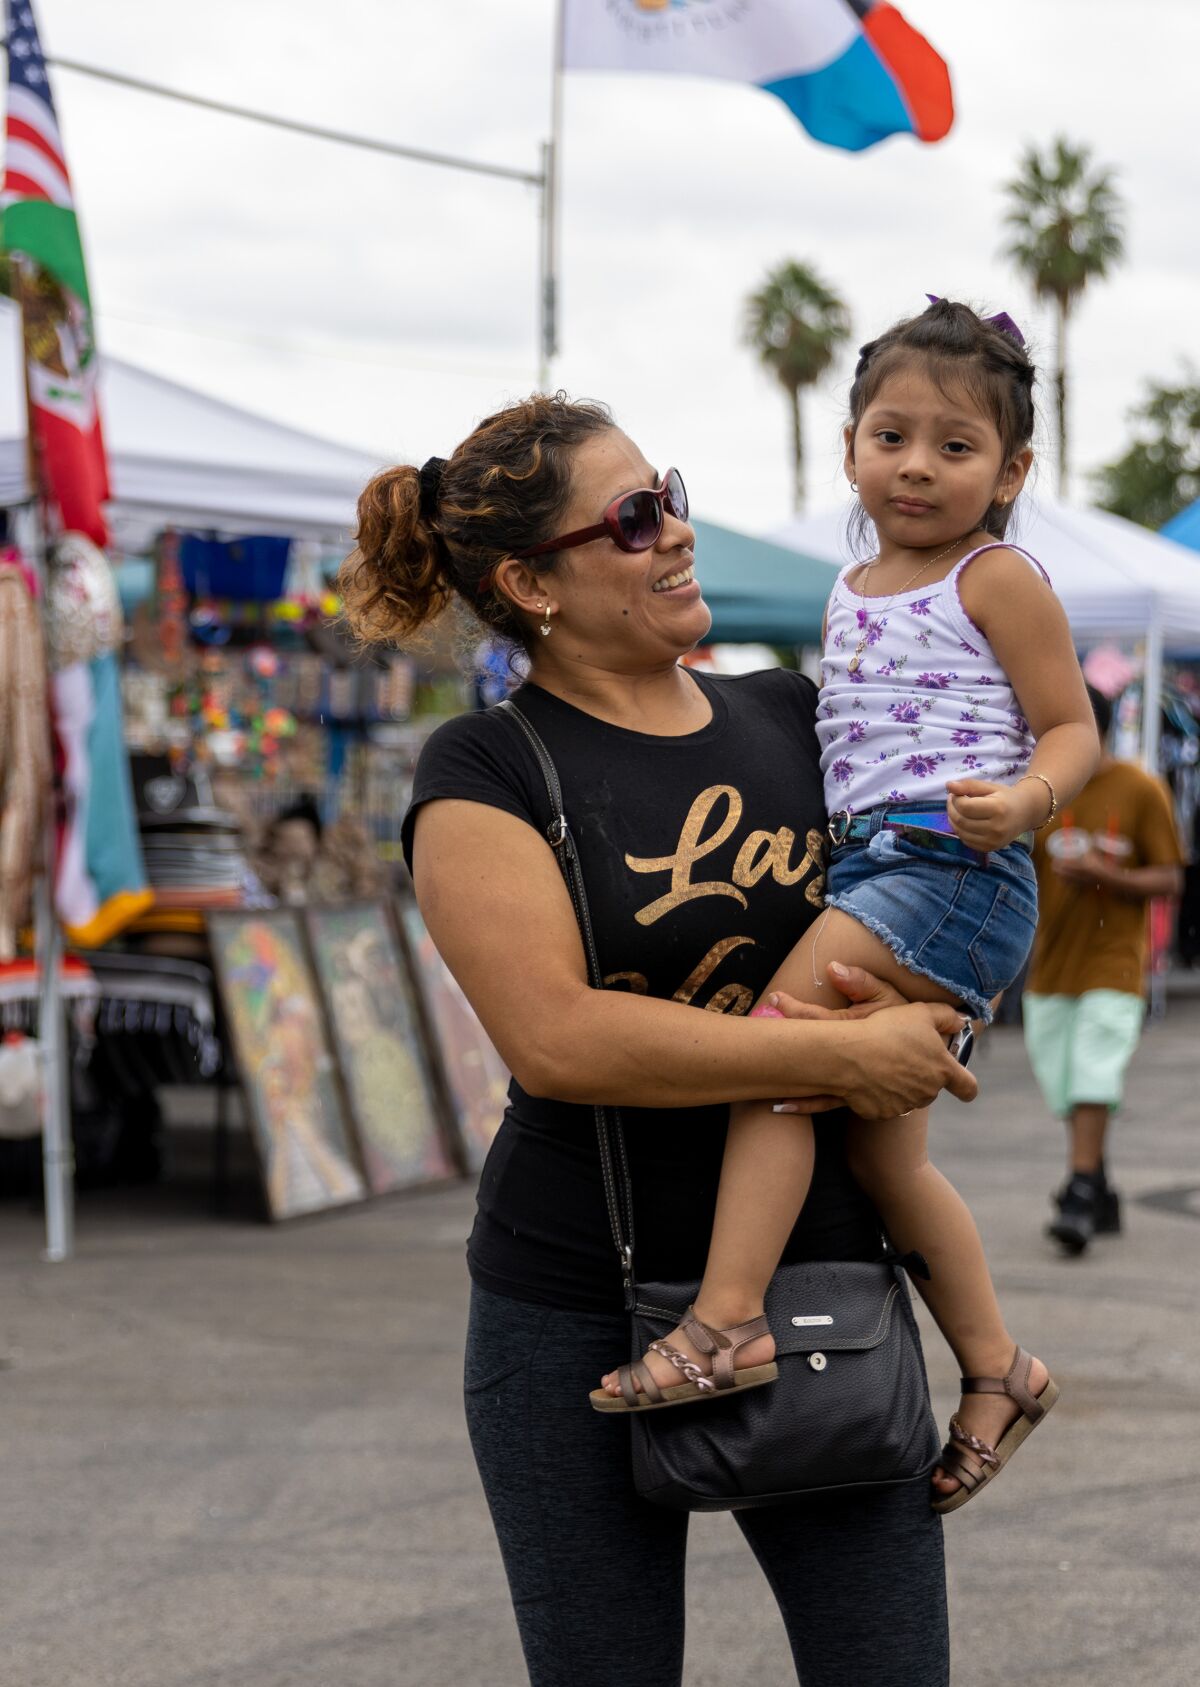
x=39 y=227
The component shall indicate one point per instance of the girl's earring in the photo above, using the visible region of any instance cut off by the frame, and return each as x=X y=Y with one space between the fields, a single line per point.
x=546 y=629
x=854 y=486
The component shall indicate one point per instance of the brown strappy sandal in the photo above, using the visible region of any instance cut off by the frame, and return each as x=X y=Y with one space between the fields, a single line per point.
x=720 y=1344
x=971 y=1460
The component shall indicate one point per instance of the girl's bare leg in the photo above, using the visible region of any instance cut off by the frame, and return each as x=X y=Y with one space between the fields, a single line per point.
x=764 y=1180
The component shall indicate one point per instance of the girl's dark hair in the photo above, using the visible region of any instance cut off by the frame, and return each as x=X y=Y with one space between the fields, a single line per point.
x=1103 y=711
x=503 y=489
x=955 y=346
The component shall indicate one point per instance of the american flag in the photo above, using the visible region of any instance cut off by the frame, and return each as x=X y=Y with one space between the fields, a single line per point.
x=39 y=226
x=34 y=167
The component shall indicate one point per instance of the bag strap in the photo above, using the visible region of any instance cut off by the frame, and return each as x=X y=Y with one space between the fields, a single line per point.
x=610 y=1135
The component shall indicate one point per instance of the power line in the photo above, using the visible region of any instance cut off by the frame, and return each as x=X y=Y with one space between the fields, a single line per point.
x=315 y=131
x=302 y=348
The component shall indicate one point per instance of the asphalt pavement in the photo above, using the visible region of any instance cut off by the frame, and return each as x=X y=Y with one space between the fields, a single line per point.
x=234 y=1455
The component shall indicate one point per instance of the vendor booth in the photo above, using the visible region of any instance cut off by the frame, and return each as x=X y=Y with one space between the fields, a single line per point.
x=244 y=935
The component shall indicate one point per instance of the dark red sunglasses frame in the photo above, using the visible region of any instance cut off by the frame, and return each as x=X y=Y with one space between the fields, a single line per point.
x=610 y=523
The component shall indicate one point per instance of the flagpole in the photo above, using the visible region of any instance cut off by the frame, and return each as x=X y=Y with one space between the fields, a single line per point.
x=551 y=177
x=58 y=1152
x=58 y=1158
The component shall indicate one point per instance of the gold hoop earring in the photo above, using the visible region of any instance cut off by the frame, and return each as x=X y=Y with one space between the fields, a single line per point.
x=546 y=629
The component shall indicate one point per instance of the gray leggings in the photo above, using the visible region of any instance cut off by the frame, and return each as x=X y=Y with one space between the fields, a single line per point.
x=596 y=1574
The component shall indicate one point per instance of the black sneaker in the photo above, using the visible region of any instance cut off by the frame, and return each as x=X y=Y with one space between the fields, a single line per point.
x=1108 y=1212
x=1078 y=1203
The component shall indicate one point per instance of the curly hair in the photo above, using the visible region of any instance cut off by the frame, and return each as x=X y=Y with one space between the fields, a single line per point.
x=504 y=489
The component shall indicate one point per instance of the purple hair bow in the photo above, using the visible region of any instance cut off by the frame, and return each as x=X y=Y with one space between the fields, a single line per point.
x=1002 y=321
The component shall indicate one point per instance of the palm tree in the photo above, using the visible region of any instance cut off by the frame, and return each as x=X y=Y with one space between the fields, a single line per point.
x=795 y=324
x=1067 y=223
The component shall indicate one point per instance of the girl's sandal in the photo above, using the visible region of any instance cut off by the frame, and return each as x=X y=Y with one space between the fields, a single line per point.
x=720 y=1344
x=971 y=1460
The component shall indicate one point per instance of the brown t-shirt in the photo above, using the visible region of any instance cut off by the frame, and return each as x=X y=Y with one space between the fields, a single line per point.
x=1089 y=938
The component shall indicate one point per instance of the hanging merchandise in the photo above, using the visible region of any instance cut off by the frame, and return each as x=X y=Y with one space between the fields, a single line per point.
x=171 y=603
x=101 y=881
x=245 y=570
x=25 y=764
x=20 y=1099
x=83 y=607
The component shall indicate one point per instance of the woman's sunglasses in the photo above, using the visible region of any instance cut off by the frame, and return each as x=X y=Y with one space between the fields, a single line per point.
x=633 y=521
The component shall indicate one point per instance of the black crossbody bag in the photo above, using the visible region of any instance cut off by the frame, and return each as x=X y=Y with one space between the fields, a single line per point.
x=850 y=1408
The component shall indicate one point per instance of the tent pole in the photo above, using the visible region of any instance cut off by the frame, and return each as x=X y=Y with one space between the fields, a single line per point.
x=58 y=1157
x=1152 y=678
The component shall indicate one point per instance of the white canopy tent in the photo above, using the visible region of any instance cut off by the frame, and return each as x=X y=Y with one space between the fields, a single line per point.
x=1115 y=580
x=178 y=456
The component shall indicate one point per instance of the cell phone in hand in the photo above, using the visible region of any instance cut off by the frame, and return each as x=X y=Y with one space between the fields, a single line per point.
x=962 y=1043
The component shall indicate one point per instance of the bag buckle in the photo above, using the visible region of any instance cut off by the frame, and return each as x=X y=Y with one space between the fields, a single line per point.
x=627 y=1274
x=557 y=831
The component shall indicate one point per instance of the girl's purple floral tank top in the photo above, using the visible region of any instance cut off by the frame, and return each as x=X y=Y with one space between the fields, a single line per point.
x=927 y=702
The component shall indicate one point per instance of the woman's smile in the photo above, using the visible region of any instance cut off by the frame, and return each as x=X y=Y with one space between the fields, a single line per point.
x=678 y=582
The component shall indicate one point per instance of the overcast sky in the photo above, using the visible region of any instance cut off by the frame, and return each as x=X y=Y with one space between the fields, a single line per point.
x=388 y=304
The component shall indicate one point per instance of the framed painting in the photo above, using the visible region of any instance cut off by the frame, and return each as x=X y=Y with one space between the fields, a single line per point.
x=475 y=1077
x=378 y=1037
x=293 y=1098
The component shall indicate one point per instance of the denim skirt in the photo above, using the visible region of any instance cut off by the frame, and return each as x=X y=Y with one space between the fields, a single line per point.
x=963 y=921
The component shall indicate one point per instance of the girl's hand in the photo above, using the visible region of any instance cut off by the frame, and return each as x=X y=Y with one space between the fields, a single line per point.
x=988 y=816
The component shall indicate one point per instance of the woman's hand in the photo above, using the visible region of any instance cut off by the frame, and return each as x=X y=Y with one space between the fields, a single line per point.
x=865 y=993
x=899 y=1060
x=892 y=1068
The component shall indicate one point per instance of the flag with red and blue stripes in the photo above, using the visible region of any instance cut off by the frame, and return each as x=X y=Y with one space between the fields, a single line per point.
x=852 y=71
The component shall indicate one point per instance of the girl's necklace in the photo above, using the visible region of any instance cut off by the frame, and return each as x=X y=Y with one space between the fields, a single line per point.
x=855 y=662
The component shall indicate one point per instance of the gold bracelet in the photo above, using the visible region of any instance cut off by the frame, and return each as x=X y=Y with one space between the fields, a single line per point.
x=1053 y=798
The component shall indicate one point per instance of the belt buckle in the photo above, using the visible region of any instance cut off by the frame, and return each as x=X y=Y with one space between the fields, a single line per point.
x=839 y=826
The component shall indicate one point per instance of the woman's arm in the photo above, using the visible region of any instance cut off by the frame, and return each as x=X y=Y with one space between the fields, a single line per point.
x=497 y=908
x=1026 y=626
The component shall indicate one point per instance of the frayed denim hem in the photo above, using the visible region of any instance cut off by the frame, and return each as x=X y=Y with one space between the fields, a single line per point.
x=980 y=1007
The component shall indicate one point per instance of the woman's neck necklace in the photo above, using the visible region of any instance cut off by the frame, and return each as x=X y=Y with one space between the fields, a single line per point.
x=864 y=614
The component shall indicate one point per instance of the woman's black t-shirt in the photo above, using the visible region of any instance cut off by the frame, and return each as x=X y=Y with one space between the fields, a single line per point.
x=701 y=856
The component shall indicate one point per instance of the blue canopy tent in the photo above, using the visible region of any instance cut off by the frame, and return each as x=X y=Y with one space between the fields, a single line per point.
x=760 y=593
x=1184 y=528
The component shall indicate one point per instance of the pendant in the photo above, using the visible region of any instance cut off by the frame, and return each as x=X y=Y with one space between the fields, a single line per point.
x=545 y=629
x=854 y=663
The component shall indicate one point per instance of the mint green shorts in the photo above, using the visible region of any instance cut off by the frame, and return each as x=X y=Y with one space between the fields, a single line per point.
x=1080 y=1046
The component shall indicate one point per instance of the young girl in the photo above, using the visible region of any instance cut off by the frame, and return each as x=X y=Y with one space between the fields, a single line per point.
x=953 y=722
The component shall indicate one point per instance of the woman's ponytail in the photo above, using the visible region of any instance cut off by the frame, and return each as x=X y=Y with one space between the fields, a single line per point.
x=394 y=581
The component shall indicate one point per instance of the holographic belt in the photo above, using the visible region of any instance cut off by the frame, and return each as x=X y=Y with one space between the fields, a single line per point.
x=930 y=829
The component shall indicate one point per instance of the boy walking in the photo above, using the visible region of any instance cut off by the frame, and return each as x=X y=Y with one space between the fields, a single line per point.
x=1098 y=865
